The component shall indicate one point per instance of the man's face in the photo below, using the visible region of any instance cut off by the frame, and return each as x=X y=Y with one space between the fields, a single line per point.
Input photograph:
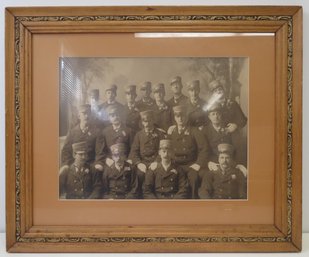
x=114 y=118
x=110 y=95
x=181 y=119
x=159 y=95
x=119 y=158
x=145 y=93
x=84 y=116
x=225 y=161
x=193 y=94
x=214 y=117
x=147 y=123
x=165 y=153
x=93 y=99
x=130 y=97
x=176 y=87
x=219 y=91
x=80 y=158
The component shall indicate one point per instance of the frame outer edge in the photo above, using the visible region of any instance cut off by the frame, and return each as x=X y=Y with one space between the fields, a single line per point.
x=297 y=130
x=10 y=129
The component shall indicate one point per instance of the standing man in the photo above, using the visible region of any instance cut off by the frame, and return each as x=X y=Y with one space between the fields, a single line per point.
x=84 y=131
x=197 y=116
x=119 y=179
x=166 y=181
x=227 y=182
x=95 y=107
x=79 y=180
x=132 y=113
x=146 y=102
x=162 y=111
x=110 y=94
x=189 y=147
x=178 y=98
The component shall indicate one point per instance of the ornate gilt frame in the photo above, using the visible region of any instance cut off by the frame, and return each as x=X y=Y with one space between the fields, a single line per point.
x=284 y=235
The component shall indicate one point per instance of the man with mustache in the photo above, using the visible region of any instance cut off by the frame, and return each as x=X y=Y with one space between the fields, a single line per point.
x=178 y=97
x=227 y=182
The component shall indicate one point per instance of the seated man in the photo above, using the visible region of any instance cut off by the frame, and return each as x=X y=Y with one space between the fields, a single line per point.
x=115 y=133
x=227 y=182
x=86 y=131
x=166 y=181
x=189 y=147
x=145 y=146
x=119 y=180
x=79 y=181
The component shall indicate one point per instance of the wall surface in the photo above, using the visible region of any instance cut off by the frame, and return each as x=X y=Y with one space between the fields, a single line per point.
x=305 y=4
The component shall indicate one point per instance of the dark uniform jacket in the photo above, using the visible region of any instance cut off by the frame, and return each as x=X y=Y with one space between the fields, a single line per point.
x=76 y=135
x=133 y=119
x=219 y=185
x=145 y=106
x=81 y=183
x=166 y=184
x=121 y=184
x=214 y=138
x=145 y=146
x=109 y=137
x=196 y=115
x=182 y=100
x=232 y=113
x=103 y=115
x=189 y=147
x=163 y=116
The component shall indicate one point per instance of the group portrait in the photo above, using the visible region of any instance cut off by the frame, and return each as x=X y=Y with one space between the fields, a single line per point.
x=145 y=128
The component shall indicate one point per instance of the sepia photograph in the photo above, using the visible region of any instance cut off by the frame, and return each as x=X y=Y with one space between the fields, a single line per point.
x=153 y=128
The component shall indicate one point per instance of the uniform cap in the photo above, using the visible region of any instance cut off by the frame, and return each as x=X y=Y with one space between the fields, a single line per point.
x=131 y=89
x=165 y=143
x=112 y=87
x=118 y=148
x=148 y=114
x=225 y=148
x=112 y=108
x=159 y=87
x=194 y=85
x=214 y=107
x=214 y=85
x=79 y=147
x=95 y=93
x=146 y=85
x=176 y=79
x=84 y=108
x=180 y=109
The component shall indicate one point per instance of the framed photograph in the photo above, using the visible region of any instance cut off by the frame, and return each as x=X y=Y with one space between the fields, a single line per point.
x=154 y=129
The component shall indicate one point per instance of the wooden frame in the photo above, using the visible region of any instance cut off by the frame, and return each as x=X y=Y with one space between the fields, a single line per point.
x=284 y=235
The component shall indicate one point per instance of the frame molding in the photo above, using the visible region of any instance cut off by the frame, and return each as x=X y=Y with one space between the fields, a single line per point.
x=284 y=235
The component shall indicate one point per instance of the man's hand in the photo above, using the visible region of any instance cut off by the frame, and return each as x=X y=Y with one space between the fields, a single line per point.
x=130 y=161
x=213 y=166
x=243 y=169
x=195 y=167
x=142 y=167
x=98 y=167
x=64 y=167
x=231 y=127
x=109 y=162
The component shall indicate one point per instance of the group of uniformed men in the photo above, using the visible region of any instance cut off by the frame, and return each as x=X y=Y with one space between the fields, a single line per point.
x=183 y=148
